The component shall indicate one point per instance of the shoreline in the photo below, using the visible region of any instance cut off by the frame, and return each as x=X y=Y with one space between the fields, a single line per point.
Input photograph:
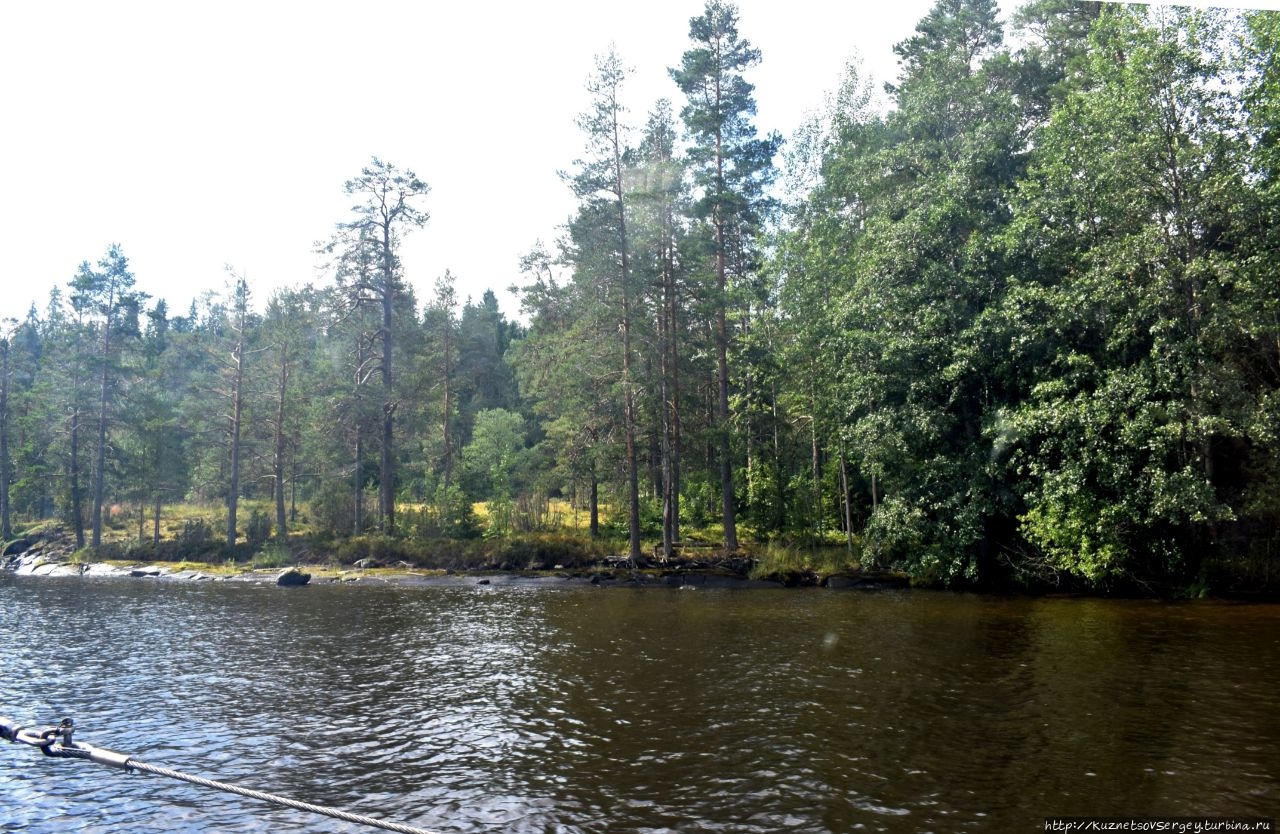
x=44 y=556
x=50 y=553
x=410 y=577
x=602 y=577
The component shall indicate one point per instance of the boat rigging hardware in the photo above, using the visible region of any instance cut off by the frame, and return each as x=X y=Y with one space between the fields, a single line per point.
x=58 y=742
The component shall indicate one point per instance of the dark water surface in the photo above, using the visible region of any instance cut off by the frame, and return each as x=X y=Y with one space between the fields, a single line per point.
x=585 y=709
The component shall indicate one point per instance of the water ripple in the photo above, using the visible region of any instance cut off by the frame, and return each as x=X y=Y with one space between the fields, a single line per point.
x=624 y=710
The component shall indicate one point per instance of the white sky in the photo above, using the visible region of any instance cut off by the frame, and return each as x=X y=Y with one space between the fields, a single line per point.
x=202 y=135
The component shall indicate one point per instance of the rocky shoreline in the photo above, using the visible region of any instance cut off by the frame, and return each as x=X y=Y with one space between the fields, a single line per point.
x=51 y=556
x=37 y=565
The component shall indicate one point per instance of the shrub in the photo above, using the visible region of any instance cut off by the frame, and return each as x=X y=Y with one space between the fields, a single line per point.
x=332 y=509
x=449 y=515
x=195 y=532
x=274 y=555
x=258 y=530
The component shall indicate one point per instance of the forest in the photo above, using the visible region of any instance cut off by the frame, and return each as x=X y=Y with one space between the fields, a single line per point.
x=1013 y=321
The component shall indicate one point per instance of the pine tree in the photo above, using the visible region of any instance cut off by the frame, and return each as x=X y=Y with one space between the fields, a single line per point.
x=601 y=240
x=107 y=295
x=731 y=167
x=370 y=270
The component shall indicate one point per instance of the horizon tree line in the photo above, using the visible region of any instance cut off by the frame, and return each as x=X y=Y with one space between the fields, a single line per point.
x=1021 y=324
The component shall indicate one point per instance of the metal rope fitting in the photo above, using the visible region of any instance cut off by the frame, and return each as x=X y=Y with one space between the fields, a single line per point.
x=58 y=742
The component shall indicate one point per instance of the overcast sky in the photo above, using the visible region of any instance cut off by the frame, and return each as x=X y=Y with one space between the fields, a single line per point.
x=201 y=135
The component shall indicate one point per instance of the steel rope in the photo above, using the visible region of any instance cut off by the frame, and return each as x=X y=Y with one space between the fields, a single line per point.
x=48 y=742
x=336 y=813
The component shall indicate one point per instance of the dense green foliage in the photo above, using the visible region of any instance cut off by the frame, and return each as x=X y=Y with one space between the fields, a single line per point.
x=1020 y=325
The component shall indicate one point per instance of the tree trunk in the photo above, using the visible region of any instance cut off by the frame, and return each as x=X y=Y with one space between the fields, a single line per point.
x=100 y=465
x=673 y=345
x=100 y=458
x=664 y=399
x=722 y=356
x=722 y=401
x=386 y=486
x=629 y=407
x=6 y=522
x=593 y=501
x=357 y=469
x=278 y=459
x=77 y=508
x=448 y=404
x=357 y=487
x=815 y=498
x=747 y=413
x=844 y=498
x=624 y=280
x=386 y=474
x=293 y=492
x=780 y=483
x=237 y=411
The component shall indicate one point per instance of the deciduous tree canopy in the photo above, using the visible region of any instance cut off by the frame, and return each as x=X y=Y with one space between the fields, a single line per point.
x=1021 y=325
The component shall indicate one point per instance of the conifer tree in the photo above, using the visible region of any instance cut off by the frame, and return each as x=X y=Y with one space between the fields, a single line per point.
x=107 y=295
x=731 y=167
x=369 y=267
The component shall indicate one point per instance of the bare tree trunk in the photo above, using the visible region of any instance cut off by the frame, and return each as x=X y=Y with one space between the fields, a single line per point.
x=236 y=416
x=104 y=399
x=234 y=430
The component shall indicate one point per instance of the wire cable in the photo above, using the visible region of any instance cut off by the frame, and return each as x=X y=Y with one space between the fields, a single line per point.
x=57 y=742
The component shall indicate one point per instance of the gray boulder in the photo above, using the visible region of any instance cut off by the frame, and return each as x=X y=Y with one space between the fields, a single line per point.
x=292 y=577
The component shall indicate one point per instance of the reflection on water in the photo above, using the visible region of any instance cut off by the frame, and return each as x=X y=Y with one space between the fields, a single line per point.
x=634 y=710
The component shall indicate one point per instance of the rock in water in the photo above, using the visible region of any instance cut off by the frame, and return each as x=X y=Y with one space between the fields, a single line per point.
x=292 y=577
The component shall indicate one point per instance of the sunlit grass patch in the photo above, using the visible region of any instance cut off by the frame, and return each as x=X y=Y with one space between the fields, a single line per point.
x=780 y=559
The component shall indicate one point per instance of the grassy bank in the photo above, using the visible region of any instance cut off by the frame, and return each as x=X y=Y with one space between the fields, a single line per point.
x=191 y=538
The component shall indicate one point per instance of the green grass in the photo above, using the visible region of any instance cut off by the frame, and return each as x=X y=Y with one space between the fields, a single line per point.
x=778 y=559
x=564 y=542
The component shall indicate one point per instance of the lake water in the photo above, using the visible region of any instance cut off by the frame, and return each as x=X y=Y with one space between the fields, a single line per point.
x=585 y=709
